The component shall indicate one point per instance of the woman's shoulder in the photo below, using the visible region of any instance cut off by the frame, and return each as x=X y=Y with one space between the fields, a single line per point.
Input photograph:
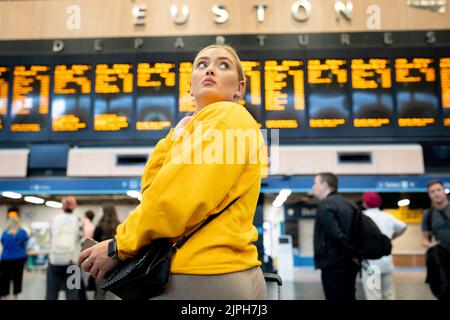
x=231 y=113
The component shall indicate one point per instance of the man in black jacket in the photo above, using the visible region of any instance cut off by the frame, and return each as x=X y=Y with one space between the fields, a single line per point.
x=334 y=252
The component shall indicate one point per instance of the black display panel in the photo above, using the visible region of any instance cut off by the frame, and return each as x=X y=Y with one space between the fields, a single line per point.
x=156 y=96
x=417 y=99
x=284 y=94
x=4 y=89
x=71 y=100
x=186 y=104
x=328 y=102
x=253 y=100
x=397 y=94
x=373 y=104
x=30 y=98
x=113 y=102
x=445 y=89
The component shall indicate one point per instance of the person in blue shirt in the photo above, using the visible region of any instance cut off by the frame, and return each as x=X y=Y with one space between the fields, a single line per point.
x=14 y=240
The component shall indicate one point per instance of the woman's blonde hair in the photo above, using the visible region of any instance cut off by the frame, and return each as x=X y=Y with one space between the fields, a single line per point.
x=233 y=53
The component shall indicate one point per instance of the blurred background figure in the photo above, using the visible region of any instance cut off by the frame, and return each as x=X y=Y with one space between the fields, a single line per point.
x=334 y=252
x=377 y=277
x=65 y=245
x=106 y=229
x=14 y=241
x=88 y=225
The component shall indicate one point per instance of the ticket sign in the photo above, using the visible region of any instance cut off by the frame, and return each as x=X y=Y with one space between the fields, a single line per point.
x=113 y=102
x=328 y=100
x=373 y=105
x=445 y=89
x=71 y=97
x=156 y=100
x=284 y=94
x=4 y=89
x=416 y=92
x=30 y=98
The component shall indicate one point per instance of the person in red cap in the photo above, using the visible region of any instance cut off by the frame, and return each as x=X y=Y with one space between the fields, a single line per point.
x=377 y=275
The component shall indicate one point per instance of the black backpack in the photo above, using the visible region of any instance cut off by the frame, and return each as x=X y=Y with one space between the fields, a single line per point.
x=368 y=239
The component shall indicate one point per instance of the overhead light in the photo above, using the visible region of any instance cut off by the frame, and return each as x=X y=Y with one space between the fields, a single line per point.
x=54 y=204
x=403 y=202
x=285 y=192
x=447 y=191
x=133 y=194
x=11 y=195
x=34 y=200
x=281 y=198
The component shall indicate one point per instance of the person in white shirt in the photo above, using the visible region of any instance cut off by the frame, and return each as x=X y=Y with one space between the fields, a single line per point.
x=377 y=277
x=65 y=247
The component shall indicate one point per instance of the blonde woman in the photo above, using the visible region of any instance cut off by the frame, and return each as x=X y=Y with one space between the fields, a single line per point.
x=210 y=159
x=14 y=241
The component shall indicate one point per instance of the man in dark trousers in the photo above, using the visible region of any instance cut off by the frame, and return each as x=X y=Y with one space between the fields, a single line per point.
x=334 y=252
x=436 y=226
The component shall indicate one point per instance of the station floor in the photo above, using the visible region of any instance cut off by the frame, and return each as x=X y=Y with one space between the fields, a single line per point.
x=409 y=282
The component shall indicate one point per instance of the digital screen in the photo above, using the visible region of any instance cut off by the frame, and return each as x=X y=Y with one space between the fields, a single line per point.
x=4 y=88
x=284 y=93
x=445 y=89
x=373 y=105
x=156 y=100
x=113 y=103
x=30 y=98
x=328 y=100
x=186 y=104
x=252 y=99
x=71 y=103
x=416 y=92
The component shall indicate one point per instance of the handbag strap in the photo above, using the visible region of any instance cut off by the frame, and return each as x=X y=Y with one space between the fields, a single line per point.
x=187 y=236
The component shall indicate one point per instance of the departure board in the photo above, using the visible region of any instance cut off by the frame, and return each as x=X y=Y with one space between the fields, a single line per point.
x=416 y=92
x=284 y=94
x=71 y=103
x=30 y=98
x=113 y=102
x=252 y=99
x=4 y=89
x=186 y=104
x=328 y=87
x=373 y=104
x=445 y=89
x=156 y=99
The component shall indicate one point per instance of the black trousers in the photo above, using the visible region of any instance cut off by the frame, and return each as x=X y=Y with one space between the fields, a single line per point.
x=339 y=283
x=57 y=278
x=11 y=270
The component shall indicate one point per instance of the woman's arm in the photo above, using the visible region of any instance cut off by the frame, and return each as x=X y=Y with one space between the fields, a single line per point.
x=180 y=196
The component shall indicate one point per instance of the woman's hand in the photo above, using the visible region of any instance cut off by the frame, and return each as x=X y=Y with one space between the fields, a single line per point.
x=95 y=260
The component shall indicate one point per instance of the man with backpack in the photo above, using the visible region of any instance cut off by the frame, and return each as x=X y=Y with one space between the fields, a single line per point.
x=64 y=250
x=334 y=251
x=436 y=224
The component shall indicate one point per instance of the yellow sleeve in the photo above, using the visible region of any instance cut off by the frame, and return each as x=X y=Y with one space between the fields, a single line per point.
x=179 y=196
x=156 y=160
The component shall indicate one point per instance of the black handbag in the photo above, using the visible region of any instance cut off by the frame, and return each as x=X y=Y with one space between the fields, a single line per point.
x=147 y=275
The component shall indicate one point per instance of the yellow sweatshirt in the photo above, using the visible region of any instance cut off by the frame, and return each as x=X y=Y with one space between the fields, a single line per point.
x=192 y=175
